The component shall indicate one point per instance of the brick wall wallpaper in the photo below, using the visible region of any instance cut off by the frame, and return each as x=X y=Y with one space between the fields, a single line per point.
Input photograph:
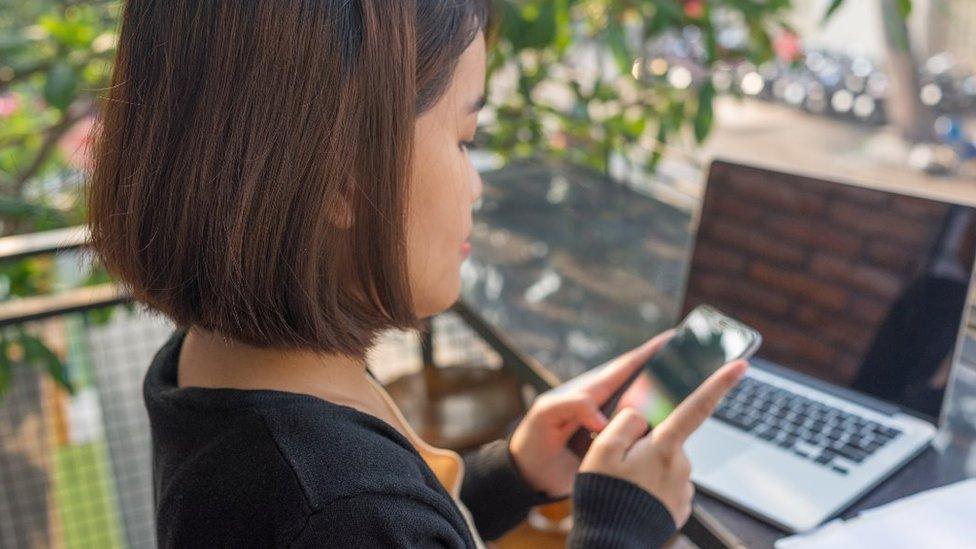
x=814 y=266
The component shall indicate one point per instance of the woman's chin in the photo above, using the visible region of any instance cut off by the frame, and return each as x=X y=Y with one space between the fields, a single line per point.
x=446 y=296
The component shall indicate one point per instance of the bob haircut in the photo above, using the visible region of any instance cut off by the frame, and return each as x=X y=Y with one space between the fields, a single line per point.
x=233 y=135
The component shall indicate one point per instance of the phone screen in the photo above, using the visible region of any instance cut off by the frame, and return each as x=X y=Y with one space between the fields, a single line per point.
x=705 y=341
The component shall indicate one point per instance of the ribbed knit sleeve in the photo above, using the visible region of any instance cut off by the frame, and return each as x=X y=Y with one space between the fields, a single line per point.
x=609 y=512
x=495 y=492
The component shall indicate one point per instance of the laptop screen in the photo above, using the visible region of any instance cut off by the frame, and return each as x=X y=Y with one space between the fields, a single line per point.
x=859 y=287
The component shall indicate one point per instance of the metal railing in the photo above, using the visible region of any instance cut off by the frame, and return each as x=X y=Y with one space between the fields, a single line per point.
x=75 y=468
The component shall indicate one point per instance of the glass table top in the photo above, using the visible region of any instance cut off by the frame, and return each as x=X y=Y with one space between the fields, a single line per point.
x=575 y=269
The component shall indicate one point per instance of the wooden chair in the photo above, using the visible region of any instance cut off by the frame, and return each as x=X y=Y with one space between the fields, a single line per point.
x=458 y=407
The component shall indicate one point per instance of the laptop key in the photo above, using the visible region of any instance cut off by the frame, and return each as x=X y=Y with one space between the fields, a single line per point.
x=748 y=423
x=850 y=452
x=744 y=422
x=825 y=457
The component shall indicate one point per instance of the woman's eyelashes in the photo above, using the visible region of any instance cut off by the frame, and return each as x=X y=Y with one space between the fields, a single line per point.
x=465 y=145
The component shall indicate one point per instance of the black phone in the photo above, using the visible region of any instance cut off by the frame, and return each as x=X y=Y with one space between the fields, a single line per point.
x=704 y=341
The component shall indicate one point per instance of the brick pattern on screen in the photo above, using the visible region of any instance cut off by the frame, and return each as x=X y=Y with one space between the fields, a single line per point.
x=813 y=266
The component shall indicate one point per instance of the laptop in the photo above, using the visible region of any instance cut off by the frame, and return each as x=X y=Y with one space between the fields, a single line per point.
x=859 y=295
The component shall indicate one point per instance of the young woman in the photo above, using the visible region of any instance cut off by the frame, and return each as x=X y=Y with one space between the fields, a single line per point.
x=284 y=180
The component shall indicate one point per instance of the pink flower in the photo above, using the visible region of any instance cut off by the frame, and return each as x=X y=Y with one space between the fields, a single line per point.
x=787 y=47
x=75 y=143
x=8 y=105
x=694 y=9
x=558 y=141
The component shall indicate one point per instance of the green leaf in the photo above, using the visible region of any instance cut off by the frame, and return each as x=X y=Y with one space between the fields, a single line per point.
x=59 y=89
x=564 y=29
x=36 y=212
x=904 y=7
x=100 y=316
x=529 y=24
x=617 y=41
x=708 y=31
x=658 y=152
x=711 y=44
x=762 y=44
x=671 y=9
x=705 y=114
x=76 y=30
x=834 y=5
x=36 y=351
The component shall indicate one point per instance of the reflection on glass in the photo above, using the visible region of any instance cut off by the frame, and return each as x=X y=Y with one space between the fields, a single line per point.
x=860 y=287
x=701 y=345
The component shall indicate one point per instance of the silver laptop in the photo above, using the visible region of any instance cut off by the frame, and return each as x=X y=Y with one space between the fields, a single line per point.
x=859 y=295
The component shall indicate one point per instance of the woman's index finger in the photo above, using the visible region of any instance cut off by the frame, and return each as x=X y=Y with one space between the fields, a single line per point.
x=688 y=416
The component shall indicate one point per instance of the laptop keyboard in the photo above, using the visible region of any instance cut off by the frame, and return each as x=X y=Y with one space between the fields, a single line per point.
x=825 y=435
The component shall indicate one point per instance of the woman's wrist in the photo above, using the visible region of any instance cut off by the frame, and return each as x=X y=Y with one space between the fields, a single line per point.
x=542 y=495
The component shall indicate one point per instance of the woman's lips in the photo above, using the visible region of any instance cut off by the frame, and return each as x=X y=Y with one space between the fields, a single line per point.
x=465 y=248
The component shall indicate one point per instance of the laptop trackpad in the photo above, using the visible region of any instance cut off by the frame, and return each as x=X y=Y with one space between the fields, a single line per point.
x=714 y=445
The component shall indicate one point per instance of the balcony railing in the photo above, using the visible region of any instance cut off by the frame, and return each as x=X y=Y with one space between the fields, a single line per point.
x=75 y=469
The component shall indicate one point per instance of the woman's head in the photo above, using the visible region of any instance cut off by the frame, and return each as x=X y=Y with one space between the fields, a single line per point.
x=290 y=173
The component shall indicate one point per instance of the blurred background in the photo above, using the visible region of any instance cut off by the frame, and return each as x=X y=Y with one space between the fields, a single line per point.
x=639 y=94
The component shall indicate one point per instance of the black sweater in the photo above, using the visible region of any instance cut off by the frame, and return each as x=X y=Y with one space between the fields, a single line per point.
x=246 y=468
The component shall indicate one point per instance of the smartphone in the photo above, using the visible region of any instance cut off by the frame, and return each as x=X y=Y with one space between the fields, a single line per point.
x=704 y=341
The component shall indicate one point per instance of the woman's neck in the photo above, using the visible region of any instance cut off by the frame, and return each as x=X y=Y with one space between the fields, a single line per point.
x=211 y=360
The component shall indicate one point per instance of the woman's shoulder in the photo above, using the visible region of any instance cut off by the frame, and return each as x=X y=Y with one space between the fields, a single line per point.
x=279 y=463
x=338 y=452
x=269 y=474
x=333 y=451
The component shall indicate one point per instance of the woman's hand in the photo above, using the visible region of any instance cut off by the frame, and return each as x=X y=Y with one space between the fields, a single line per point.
x=657 y=462
x=538 y=444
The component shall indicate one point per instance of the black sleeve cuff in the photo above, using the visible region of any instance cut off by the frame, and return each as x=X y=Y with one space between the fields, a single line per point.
x=495 y=492
x=612 y=512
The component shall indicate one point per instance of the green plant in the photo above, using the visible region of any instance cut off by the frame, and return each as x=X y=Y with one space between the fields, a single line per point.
x=18 y=347
x=55 y=58
x=547 y=102
x=620 y=103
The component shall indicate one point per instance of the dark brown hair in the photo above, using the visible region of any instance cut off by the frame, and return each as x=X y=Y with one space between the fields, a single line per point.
x=232 y=133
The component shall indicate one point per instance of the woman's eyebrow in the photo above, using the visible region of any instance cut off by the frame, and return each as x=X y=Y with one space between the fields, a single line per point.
x=477 y=104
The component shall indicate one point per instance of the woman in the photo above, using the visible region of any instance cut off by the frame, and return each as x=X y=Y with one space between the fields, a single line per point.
x=284 y=180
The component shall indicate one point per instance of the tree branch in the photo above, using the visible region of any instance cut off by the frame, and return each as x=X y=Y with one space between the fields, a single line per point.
x=24 y=74
x=52 y=135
